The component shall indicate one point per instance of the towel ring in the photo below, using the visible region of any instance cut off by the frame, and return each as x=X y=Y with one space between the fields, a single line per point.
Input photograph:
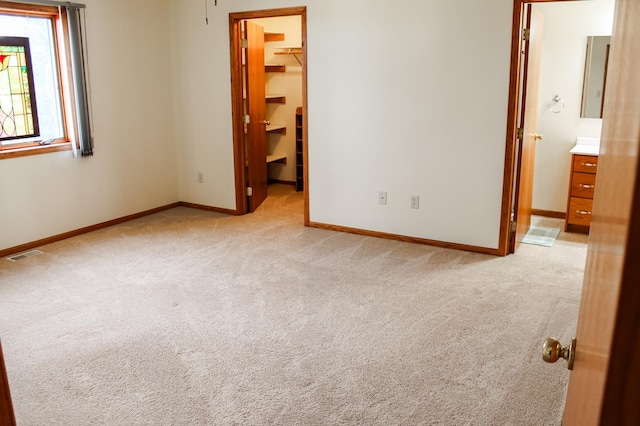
x=558 y=106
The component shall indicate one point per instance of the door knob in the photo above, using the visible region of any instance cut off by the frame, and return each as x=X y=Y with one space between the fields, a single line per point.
x=267 y=122
x=552 y=351
x=539 y=136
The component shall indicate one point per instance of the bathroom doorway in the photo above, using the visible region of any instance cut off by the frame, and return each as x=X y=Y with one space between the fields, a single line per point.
x=559 y=23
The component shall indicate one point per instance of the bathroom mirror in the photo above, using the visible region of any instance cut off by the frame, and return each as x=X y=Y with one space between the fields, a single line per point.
x=595 y=76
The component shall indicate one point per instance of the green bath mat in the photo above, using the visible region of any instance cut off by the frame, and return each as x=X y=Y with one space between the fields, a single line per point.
x=541 y=236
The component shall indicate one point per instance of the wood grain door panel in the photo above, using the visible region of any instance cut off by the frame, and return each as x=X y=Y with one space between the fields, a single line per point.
x=585 y=163
x=256 y=107
x=7 y=417
x=527 y=145
x=583 y=185
x=603 y=386
x=580 y=211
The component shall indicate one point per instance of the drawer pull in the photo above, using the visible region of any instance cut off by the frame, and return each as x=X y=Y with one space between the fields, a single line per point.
x=589 y=164
x=583 y=212
x=584 y=185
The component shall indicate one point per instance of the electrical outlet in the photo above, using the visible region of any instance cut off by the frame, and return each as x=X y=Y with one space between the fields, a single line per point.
x=382 y=197
x=415 y=202
x=200 y=177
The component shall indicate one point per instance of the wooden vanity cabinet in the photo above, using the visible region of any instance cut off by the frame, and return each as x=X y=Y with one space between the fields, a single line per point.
x=581 y=189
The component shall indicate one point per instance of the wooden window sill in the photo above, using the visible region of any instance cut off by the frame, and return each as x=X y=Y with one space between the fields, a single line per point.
x=34 y=150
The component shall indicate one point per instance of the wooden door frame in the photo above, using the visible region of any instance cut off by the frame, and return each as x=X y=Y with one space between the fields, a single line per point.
x=239 y=154
x=520 y=142
x=7 y=415
x=515 y=82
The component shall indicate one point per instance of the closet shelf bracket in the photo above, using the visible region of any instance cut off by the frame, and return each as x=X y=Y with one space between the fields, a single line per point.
x=295 y=51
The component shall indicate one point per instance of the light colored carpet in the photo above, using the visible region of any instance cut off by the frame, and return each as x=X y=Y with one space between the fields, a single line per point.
x=196 y=318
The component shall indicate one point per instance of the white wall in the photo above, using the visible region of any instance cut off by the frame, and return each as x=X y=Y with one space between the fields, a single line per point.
x=200 y=63
x=409 y=97
x=566 y=27
x=134 y=165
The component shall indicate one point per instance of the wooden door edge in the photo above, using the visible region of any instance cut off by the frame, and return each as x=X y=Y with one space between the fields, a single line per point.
x=523 y=89
x=621 y=394
x=504 y=247
x=305 y=118
x=621 y=390
x=7 y=415
x=239 y=157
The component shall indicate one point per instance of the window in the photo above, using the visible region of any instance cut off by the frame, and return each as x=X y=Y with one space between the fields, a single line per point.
x=18 y=116
x=43 y=96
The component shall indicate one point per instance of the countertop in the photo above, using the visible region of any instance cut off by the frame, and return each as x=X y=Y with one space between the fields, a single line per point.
x=586 y=146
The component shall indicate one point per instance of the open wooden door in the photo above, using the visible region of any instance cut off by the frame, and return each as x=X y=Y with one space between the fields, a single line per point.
x=250 y=140
x=604 y=386
x=7 y=417
x=526 y=150
x=256 y=137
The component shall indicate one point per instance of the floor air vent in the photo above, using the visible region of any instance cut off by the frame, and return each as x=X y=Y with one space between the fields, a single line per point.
x=24 y=255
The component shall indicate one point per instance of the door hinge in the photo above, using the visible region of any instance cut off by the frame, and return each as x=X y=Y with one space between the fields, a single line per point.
x=514 y=226
x=249 y=191
x=247 y=119
x=526 y=34
x=520 y=133
x=245 y=43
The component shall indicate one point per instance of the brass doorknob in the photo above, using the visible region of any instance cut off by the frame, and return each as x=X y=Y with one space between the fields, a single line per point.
x=267 y=122
x=539 y=136
x=552 y=351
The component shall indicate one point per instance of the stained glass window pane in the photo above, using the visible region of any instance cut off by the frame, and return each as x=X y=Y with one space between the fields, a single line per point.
x=40 y=32
x=17 y=99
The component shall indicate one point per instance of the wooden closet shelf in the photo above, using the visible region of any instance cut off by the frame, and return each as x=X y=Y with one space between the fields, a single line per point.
x=277 y=128
x=275 y=68
x=288 y=51
x=270 y=36
x=276 y=99
x=273 y=36
x=277 y=158
x=295 y=51
x=299 y=150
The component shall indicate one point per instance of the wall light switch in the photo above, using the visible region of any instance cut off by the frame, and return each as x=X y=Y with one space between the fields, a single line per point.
x=415 y=202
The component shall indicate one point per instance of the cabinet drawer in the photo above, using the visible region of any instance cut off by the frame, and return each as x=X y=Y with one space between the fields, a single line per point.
x=583 y=184
x=585 y=163
x=580 y=211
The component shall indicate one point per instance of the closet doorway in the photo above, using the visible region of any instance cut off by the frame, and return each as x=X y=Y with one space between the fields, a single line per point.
x=269 y=103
